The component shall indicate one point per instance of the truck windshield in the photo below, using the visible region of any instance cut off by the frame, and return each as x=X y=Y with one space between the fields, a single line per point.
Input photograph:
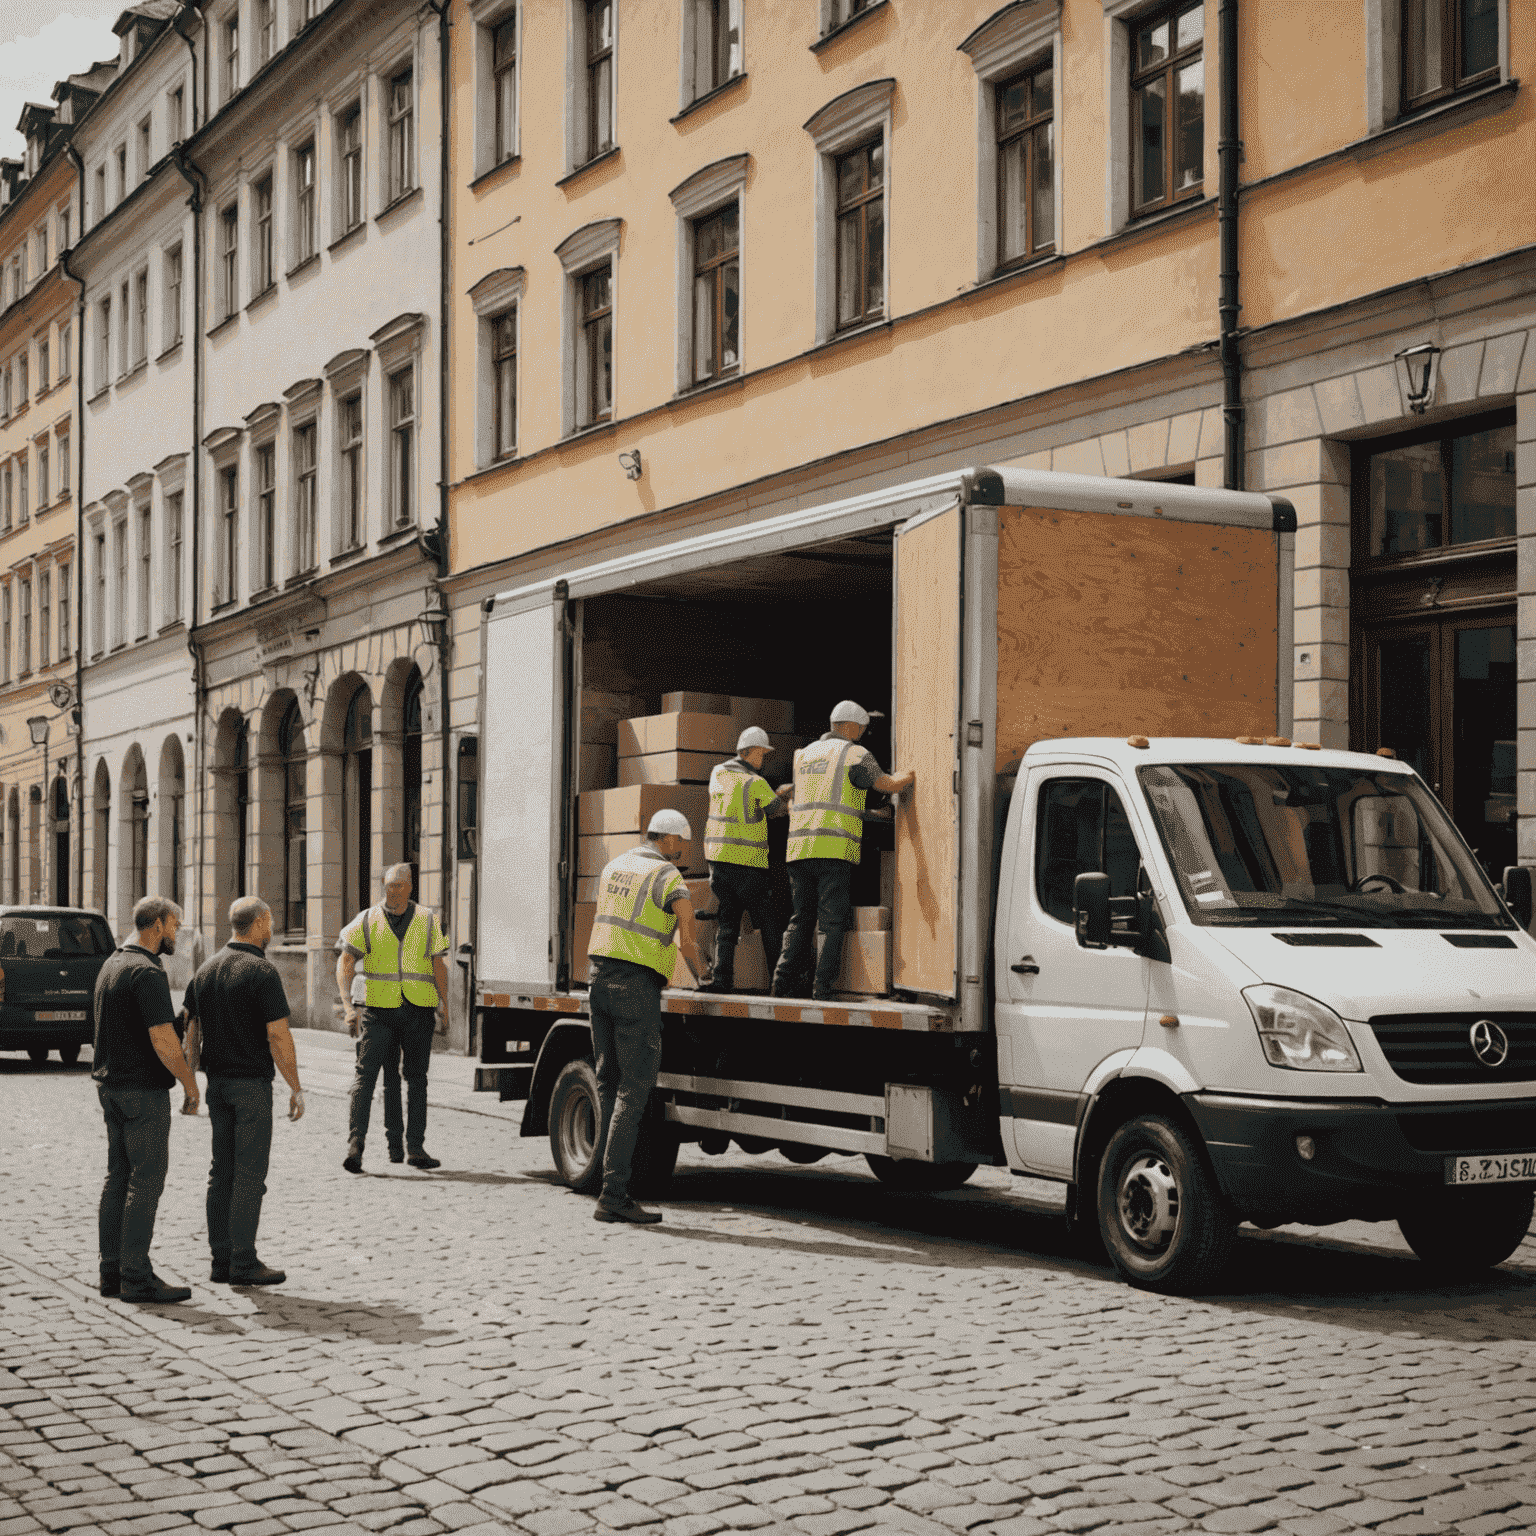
x=1265 y=845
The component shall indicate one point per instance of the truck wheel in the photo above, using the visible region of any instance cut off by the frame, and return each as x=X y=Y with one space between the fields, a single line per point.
x=69 y=1054
x=1470 y=1230
x=574 y=1118
x=905 y=1174
x=1163 y=1221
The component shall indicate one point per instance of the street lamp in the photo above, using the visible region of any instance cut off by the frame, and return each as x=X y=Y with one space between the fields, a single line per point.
x=1419 y=368
x=38 y=726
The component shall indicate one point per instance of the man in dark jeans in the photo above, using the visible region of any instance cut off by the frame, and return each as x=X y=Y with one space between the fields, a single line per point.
x=238 y=1026
x=137 y=1057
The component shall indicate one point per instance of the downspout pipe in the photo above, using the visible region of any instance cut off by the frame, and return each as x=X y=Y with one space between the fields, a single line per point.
x=1229 y=154
x=78 y=873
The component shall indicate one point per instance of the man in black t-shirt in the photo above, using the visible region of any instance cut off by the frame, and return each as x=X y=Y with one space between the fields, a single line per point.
x=136 y=1059
x=238 y=1030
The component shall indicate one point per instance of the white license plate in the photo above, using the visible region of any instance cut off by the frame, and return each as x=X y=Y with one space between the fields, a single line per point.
x=62 y=1016
x=1517 y=1168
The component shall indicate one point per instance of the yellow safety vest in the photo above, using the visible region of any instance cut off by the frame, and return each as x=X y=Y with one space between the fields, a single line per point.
x=826 y=820
x=737 y=829
x=632 y=922
x=395 y=970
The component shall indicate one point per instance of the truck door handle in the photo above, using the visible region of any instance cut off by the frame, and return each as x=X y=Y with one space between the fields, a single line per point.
x=1025 y=967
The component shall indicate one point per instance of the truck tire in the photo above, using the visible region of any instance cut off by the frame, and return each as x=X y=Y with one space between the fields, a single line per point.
x=1466 y=1231
x=1164 y=1223
x=574 y=1118
x=905 y=1174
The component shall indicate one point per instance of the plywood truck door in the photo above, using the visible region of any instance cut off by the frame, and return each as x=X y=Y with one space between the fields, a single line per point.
x=925 y=737
x=522 y=733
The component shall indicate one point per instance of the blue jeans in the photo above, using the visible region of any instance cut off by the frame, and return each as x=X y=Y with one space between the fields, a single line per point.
x=625 y=1000
x=391 y=1034
x=240 y=1109
x=138 y=1154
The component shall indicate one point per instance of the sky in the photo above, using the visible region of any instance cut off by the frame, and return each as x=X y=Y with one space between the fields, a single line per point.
x=41 y=41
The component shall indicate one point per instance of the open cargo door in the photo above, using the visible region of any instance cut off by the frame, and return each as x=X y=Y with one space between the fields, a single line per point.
x=525 y=685
x=925 y=737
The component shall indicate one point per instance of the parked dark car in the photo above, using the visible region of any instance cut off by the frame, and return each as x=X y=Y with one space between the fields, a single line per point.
x=49 y=960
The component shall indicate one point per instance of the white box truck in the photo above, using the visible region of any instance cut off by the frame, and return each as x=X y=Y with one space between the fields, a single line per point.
x=1171 y=969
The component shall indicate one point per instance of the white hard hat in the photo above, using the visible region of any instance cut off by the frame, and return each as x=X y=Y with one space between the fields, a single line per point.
x=849 y=713
x=670 y=824
x=753 y=736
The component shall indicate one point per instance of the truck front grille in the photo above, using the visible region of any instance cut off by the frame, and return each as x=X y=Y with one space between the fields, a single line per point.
x=1485 y=1129
x=1438 y=1048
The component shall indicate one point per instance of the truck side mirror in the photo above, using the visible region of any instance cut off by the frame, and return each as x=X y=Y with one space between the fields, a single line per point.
x=1090 y=910
x=1518 y=894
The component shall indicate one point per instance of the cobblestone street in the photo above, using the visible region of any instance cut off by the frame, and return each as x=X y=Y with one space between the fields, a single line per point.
x=794 y=1349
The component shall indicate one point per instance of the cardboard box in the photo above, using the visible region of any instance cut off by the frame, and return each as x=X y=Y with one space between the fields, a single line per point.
x=682 y=975
x=866 y=967
x=596 y=766
x=581 y=936
x=586 y=888
x=670 y=767
x=751 y=965
x=872 y=919
x=601 y=713
x=593 y=853
x=696 y=704
x=888 y=878
x=630 y=809
x=773 y=715
x=650 y=734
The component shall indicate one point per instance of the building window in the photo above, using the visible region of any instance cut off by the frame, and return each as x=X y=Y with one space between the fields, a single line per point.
x=64 y=228
x=176 y=126
x=122 y=175
x=120 y=582
x=840 y=12
x=146 y=554
x=290 y=746
x=99 y=598
x=402 y=445
x=44 y=618
x=10 y=486
x=62 y=438
x=101 y=193
x=504 y=76
x=65 y=591
x=1168 y=108
x=357 y=802
x=352 y=471
x=42 y=366
x=1026 y=166
x=103 y=344
x=1432 y=495
x=402 y=147
x=716 y=295
x=125 y=331
x=173 y=506
x=717 y=55
x=144 y=149
x=66 y=350
x=231 y=36
x=598 y=77
x=229 y=261
x=241 y=761
x=24 y=628
x=23 y=389
x=305 y=229
x=171 y=326
x=266 y=518
x=411 y=798
x=266 y=30
x=23 y=499
x=140 y=317
x=504 y=371
x=595 y=345
x=229 y=533
x=469 y=797
x=264 y=273
x=304 y=498
x=861 y=235
x=5 y=390
x=42 y=475
x=5 y=632
x=351 y=168
x=1447 y=46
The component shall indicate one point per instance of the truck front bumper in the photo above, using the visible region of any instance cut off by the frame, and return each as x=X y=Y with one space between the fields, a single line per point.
x=1372 y=1160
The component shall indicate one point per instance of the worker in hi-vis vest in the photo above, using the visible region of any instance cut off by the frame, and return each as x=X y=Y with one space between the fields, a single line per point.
x=642 y=902
x=736 y=845
x=400 y=949
x=833 y=777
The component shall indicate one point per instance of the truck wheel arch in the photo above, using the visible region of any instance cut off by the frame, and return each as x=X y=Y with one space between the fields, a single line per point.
x=568 y=1041
x=1119 y=1100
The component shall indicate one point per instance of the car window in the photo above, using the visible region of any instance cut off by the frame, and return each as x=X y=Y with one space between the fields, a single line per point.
x=1081 y=829
x=53 y=938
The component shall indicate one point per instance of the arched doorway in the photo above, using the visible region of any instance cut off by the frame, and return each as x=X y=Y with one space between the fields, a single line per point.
x=411 y=784
x=60 y=829
x=357 y=803
x=295 y=760
x=133 y=809
x=34 y=869
x=172 y=803
x=101 y=833
x=13 y=885
x=242 y=786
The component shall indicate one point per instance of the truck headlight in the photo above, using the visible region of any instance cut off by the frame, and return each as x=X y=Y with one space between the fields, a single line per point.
x=1298 y=1032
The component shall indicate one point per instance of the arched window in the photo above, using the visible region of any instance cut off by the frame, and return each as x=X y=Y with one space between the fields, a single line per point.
x=60 y=842
x=101 y=832
x=290 y=746
x=173 y=787
x=241 y=757
x=13 y=831
x=357 y=803
x=412 y=795
x=136 y=788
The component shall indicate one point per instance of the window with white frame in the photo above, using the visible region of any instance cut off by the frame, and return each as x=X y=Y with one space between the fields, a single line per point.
x=306 y=233
x=43 y=496
x=593 y=105
x=124 y=329
x=266 y=30
x=104 y=342
x=173 y=538
x=5 y=393
x=349 y=143
x=40 y=250
x=1424 y=54
x=98 y=596
x=176 y=114
x=146 y=150
x=24 y=626
x=120 y=582
x=838 y=13
x=590 y=260
x=708 y=208
x=44 y=617
x=400 y=157
x=400 y=394
x=497 y=81
x=5 y=632
x=229 y=53
x=144 y=554
x=712 y=46
x=66 y=634
x=495 y=299
x=227 y=550
x=99 y=201
x=504 y=384
x=264 y=565
x=66 y=350
x=23 y=388
x=42 y=364
x=61 y=438
x=23 y=496
x=263 y=250
x=229 y=261
x=171 y=317
x=140 y=316
x=121 y=159
x=352 y=465
x=7 y=496
x=305 y=496
x=64 y=227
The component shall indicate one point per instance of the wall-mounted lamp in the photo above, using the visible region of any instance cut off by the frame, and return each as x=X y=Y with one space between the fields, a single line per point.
x=1419 y=369
x=433 y=620
x=38 y=726
x=631 y=465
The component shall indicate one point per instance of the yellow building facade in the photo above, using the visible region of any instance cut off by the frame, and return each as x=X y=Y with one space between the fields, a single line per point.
x=774 y=251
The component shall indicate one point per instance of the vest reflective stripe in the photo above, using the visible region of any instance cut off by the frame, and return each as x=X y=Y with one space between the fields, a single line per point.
x=630 y=922
x=736 y=831
x=393 y=970
x=826 y=820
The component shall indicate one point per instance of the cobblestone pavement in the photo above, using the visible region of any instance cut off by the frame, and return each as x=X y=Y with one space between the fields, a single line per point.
x=793 y=1350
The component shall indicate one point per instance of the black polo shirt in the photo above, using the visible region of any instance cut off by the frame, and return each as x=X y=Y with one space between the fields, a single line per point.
x=233 y=998
x=132 y=998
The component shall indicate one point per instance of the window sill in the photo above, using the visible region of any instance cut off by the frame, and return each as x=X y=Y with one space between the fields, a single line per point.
x=122 y=645
x=342 y=241
x=223 y=606
x=300 y=579
x=709 y=387
x=171 y=628
x=842 y=28
x=596 y=429
x=348 y=556
x=1450 y=113
x=1190 y=211
x=302 y=267
x=403 y=201
x=174 y=350
x=491 y=177
x=398 y=536
x=853 y=333
x=225 y=324
x=1033 y=267
x=262 y=595
x=699 y=102
x=101 y=394
x=588 y=165
x=21 y=410
x=260 y=300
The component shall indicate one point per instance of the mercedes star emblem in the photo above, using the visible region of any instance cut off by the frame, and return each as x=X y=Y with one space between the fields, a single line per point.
x=1489 y=1043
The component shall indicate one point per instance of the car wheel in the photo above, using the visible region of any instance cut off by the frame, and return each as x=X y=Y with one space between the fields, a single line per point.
x=574 y=1120
x=38 y=1053
x=905 y=1174
x=1164 y=1223
x=1466 y=1231
x=69 y=1054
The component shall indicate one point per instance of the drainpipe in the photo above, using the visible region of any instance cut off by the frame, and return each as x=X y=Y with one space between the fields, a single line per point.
x=1229 y=155
x=79 y=443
